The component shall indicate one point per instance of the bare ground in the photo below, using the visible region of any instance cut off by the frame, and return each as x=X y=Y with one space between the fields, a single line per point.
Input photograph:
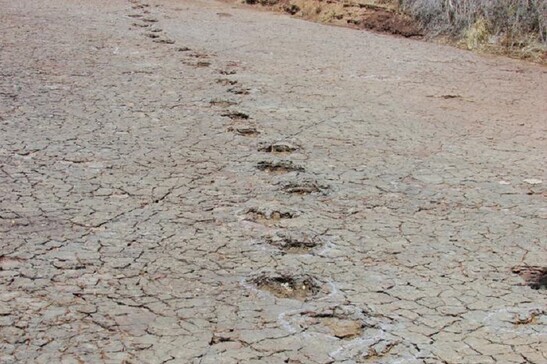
x=188 y=182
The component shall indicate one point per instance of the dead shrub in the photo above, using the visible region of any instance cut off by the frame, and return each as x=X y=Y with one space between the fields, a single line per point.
x=514 y=22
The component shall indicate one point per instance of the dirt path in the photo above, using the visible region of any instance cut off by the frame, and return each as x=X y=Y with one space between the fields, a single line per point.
x=189 y=182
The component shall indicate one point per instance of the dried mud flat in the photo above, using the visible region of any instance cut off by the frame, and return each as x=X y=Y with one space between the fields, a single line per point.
x=190 y=182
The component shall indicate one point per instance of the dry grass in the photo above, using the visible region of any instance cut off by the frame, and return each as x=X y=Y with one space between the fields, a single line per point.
x=511 y=23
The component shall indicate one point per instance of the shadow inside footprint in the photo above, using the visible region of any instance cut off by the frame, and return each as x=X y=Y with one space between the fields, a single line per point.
x=245 y=131
x=222 y=103
x=292 y=244
x=280 y=167
x=227 y=72
x=235 y=115
x=535 y=277
x=268 y=217
x=164 y=41
x=303 y=188
x=300 y=287
x=239 y=90
x=278 y=147
x=226 y=82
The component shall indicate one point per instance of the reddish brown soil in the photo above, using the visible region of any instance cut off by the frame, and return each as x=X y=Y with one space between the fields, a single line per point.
x=378 y=18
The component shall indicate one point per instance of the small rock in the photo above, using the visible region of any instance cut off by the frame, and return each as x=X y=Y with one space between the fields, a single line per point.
x=344 y=328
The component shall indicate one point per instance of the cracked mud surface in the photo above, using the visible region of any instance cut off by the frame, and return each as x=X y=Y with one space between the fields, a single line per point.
x=132 y=224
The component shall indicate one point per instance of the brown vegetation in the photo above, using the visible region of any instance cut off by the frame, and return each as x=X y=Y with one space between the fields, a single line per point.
x=517 y=26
